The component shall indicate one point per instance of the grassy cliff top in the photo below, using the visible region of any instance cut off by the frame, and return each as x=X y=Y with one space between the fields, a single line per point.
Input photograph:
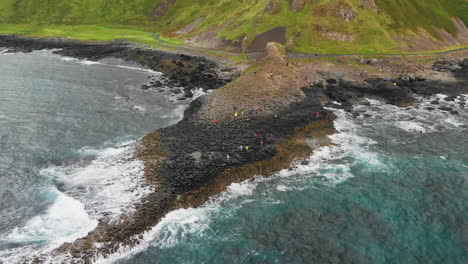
x=360 y=26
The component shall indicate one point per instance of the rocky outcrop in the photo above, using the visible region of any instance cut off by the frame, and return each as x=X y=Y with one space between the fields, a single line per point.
x=335 y=35
x=297 y=5
x=370 y=4
x=266 y=87
x=162 y=8
x=338 y=9
x=274 y=35
x=273 y=7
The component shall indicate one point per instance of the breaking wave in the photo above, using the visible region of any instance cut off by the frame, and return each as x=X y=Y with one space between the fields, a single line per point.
x=103 y=184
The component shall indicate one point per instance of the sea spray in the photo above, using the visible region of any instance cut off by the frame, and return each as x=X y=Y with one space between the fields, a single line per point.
x=108 y=186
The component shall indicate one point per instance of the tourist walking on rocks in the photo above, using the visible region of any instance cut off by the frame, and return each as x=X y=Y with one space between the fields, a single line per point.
x=318 y=114
x=257 y=135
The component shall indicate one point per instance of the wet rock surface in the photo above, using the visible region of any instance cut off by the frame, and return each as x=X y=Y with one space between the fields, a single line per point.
x=399 y=92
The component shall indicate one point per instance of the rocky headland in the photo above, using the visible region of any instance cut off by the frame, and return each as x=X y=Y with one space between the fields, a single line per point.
x=253 y=123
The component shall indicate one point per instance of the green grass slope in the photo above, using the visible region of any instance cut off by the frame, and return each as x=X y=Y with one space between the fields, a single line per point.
x=317 y=26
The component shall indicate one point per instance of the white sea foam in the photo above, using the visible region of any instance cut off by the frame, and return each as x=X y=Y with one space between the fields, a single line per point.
x=110 y=185
x=68 y=59
x=107 y=186
x=418 y=119
x=139 y=108
x=88 y=62
x=179 y=224
x=411 y=126
x=65 y=221
x=177 y=114
x=155 y=73
x=282 y=188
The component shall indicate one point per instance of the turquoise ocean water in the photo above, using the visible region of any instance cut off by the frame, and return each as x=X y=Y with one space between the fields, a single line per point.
x=391 y=189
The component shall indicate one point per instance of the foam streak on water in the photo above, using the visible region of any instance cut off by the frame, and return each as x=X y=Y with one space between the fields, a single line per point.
x=110 y=185
x=88 y=62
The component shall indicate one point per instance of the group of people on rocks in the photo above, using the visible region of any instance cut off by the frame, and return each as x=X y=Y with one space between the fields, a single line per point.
x=260 y=139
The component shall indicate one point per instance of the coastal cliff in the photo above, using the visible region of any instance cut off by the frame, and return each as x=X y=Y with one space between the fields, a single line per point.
x=273 y=114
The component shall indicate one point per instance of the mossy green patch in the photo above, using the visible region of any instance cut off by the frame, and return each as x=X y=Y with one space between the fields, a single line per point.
x=414 y=14
x=86 y=33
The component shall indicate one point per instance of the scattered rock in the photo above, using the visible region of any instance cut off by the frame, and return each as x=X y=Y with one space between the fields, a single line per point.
x=145 y=86
x=450 y=98
x=447 y=66
x=445 y=108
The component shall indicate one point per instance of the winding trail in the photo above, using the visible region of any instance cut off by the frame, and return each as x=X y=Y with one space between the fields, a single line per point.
x=292 y=55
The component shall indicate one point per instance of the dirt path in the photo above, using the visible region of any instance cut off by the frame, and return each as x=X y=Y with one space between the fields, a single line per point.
x=292 y=55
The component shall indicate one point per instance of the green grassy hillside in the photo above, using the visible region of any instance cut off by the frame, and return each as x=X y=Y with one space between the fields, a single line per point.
x=315 y=26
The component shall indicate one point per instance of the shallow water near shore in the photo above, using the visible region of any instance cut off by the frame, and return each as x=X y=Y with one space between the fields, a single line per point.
x=391 y=189
x=67 y=129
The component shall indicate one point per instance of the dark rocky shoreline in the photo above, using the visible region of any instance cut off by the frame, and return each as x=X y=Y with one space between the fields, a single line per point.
x=179 y=70
x=195 y=159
